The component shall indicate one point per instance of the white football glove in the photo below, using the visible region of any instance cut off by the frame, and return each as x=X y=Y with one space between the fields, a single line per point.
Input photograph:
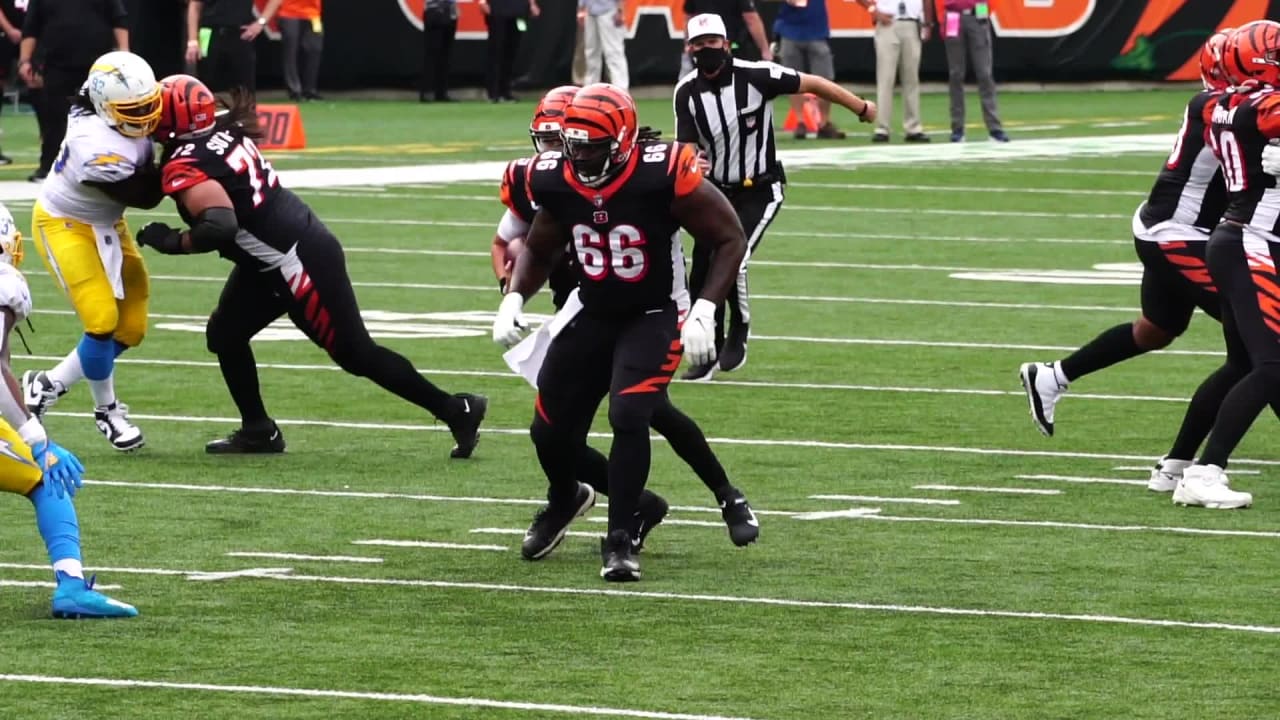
x=698 y=334
x=1271 y=160
x=509 y=325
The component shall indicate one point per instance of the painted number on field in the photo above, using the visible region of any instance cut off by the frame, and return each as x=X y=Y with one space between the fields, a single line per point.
x=386 y=325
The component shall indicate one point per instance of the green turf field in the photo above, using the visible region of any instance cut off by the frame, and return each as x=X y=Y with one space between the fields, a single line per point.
x=883 y=372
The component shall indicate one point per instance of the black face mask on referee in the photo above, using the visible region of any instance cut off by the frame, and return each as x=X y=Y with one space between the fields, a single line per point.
x=709 y=60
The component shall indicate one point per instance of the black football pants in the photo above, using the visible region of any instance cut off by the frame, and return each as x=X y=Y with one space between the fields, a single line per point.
x=315 y=292
x=756 y=207
x=631 y=360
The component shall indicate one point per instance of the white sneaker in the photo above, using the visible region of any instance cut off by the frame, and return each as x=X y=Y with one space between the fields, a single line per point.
x=1166 y=474
x=1040 y=380
x=39 y=393
x=113 y=422
x=1207 y=486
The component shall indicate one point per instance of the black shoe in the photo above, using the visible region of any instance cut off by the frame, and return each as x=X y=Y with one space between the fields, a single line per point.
x=445 y=98
x=649 y=515
x=37 y=176
x=700 y=373
x=551 y=523
x=508 y=99
x=737 y=514
x=5 y=159
x=999 y=136
x=734 y=354
x=312 y=96
x=880 y=138
x=295 y=97
x=618 y=563
x=248 y=442
x=466 y=430
x=918 y=138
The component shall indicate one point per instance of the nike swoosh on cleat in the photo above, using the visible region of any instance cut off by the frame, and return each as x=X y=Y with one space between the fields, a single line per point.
x=274 y=435
x=466 y=406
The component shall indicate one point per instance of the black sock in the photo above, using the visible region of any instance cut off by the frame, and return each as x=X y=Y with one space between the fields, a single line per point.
x=393 y=371
x=1203 y=411
x=240 y=373
x=629 y=460
x=593 y=469
x=1112 y=346
x=689 y=442
x=558 y=459
x=1239 y=409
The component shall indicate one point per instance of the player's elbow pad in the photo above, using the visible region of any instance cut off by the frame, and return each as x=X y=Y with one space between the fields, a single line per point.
x=214 y=228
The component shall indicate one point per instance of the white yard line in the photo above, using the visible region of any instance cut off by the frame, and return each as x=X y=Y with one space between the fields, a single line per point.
x=1083 y=480
x=671 y=521
x=878 y=499
x=430 y=545
x=418 y=699
x=315 y=558
x=1073 y=192
x=978 y=489
x=1078 y=526
x=47 y=585
x=1148 y=468
x=569 y=533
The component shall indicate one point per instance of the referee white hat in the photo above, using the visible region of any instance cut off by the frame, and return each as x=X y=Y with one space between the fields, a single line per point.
x=705 y=24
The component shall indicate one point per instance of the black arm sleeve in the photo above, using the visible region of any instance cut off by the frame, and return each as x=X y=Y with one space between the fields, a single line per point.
x=118 y=15
x=140 y=190
x=214 y=228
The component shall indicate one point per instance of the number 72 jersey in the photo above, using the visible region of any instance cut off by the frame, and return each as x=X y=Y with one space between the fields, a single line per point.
x=623 y=234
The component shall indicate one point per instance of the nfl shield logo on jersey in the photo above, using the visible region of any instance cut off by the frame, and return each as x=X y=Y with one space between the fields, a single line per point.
x=600 y=217
x=751 y=122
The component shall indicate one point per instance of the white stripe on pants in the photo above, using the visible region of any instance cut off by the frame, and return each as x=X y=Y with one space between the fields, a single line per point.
x=603 y=41
x=756 y=234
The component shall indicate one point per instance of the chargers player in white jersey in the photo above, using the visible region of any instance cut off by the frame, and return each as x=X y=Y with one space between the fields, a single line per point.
x=105 y=165
x=34 y=466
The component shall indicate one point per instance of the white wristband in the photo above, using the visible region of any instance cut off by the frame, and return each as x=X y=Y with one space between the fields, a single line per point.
x=32 y=432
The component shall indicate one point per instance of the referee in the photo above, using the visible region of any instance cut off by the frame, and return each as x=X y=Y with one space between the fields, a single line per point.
x=232 y=61
x=725 y=106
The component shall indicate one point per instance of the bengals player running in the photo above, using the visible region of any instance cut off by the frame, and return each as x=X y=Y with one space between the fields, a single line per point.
x=622 y=201
x=1170 y=229
x=286 y=262
x=683 y=434
x=1241 y=256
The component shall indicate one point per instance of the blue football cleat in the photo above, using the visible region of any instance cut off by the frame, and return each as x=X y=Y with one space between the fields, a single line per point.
x=76 y=599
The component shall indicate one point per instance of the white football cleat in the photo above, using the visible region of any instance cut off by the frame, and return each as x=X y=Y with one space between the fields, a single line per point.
x=1166 y=474
x=1040 y=380
x=113 y=422
x=1208 y=486
x=39 y=393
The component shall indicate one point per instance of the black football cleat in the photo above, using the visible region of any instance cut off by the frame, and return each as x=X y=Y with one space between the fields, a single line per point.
x=552 y=522
x=734 y=354
x=738 y=517
x=248 y=442
x=649 y=514
x=466 y=429
x=701 y=373
x=618 y=563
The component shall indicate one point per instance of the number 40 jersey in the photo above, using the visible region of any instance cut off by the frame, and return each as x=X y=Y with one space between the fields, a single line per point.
x=272 y=219
x=623 y=233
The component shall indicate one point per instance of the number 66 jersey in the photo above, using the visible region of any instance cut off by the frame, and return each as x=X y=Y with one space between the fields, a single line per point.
x=629 y=258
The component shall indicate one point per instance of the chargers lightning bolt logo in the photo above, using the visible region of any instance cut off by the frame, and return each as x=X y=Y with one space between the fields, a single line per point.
x=110 y=161
x=6 y=450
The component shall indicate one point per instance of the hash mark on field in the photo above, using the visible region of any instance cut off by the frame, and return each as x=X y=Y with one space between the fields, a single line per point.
x=877 y=499
x=430 y=545
x=420 y=699
x=1078 y=479
x=47 y=584
x=974 y=488
x=518 y=531
x=294 y=556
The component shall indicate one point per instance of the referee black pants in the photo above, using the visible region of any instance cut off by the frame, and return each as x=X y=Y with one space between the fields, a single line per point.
x=756 y=208
x=231 y=63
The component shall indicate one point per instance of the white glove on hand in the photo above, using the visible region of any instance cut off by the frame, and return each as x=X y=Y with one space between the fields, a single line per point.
x=1271 y=160
x=698 y=335
x=509 y=325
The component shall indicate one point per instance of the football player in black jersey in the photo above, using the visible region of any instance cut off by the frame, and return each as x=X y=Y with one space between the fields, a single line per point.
x=286 y=262
x=683 y=434
x=1241 y=256
x=1170 y=232
x=622 y=202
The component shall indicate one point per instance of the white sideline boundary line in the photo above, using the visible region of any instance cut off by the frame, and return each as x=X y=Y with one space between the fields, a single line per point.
x=430 y=545
x=316 y=558
x=780 y=513
x=979 y=489
x=419 y=699
x=878 y=499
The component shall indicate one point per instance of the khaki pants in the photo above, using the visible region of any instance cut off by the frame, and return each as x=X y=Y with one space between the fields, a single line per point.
x=898 y=57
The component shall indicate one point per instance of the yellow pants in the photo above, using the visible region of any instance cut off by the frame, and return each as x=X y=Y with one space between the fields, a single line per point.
x=18 y=471
x=70 y=253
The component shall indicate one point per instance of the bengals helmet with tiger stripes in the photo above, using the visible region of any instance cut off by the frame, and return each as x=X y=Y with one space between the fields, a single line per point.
x=187 y=108
x=548 y=117
x=599 y=133
x=1211 y=72
x=1251 y=55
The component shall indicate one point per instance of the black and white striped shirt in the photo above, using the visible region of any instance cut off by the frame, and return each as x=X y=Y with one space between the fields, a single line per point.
x=731 y=118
